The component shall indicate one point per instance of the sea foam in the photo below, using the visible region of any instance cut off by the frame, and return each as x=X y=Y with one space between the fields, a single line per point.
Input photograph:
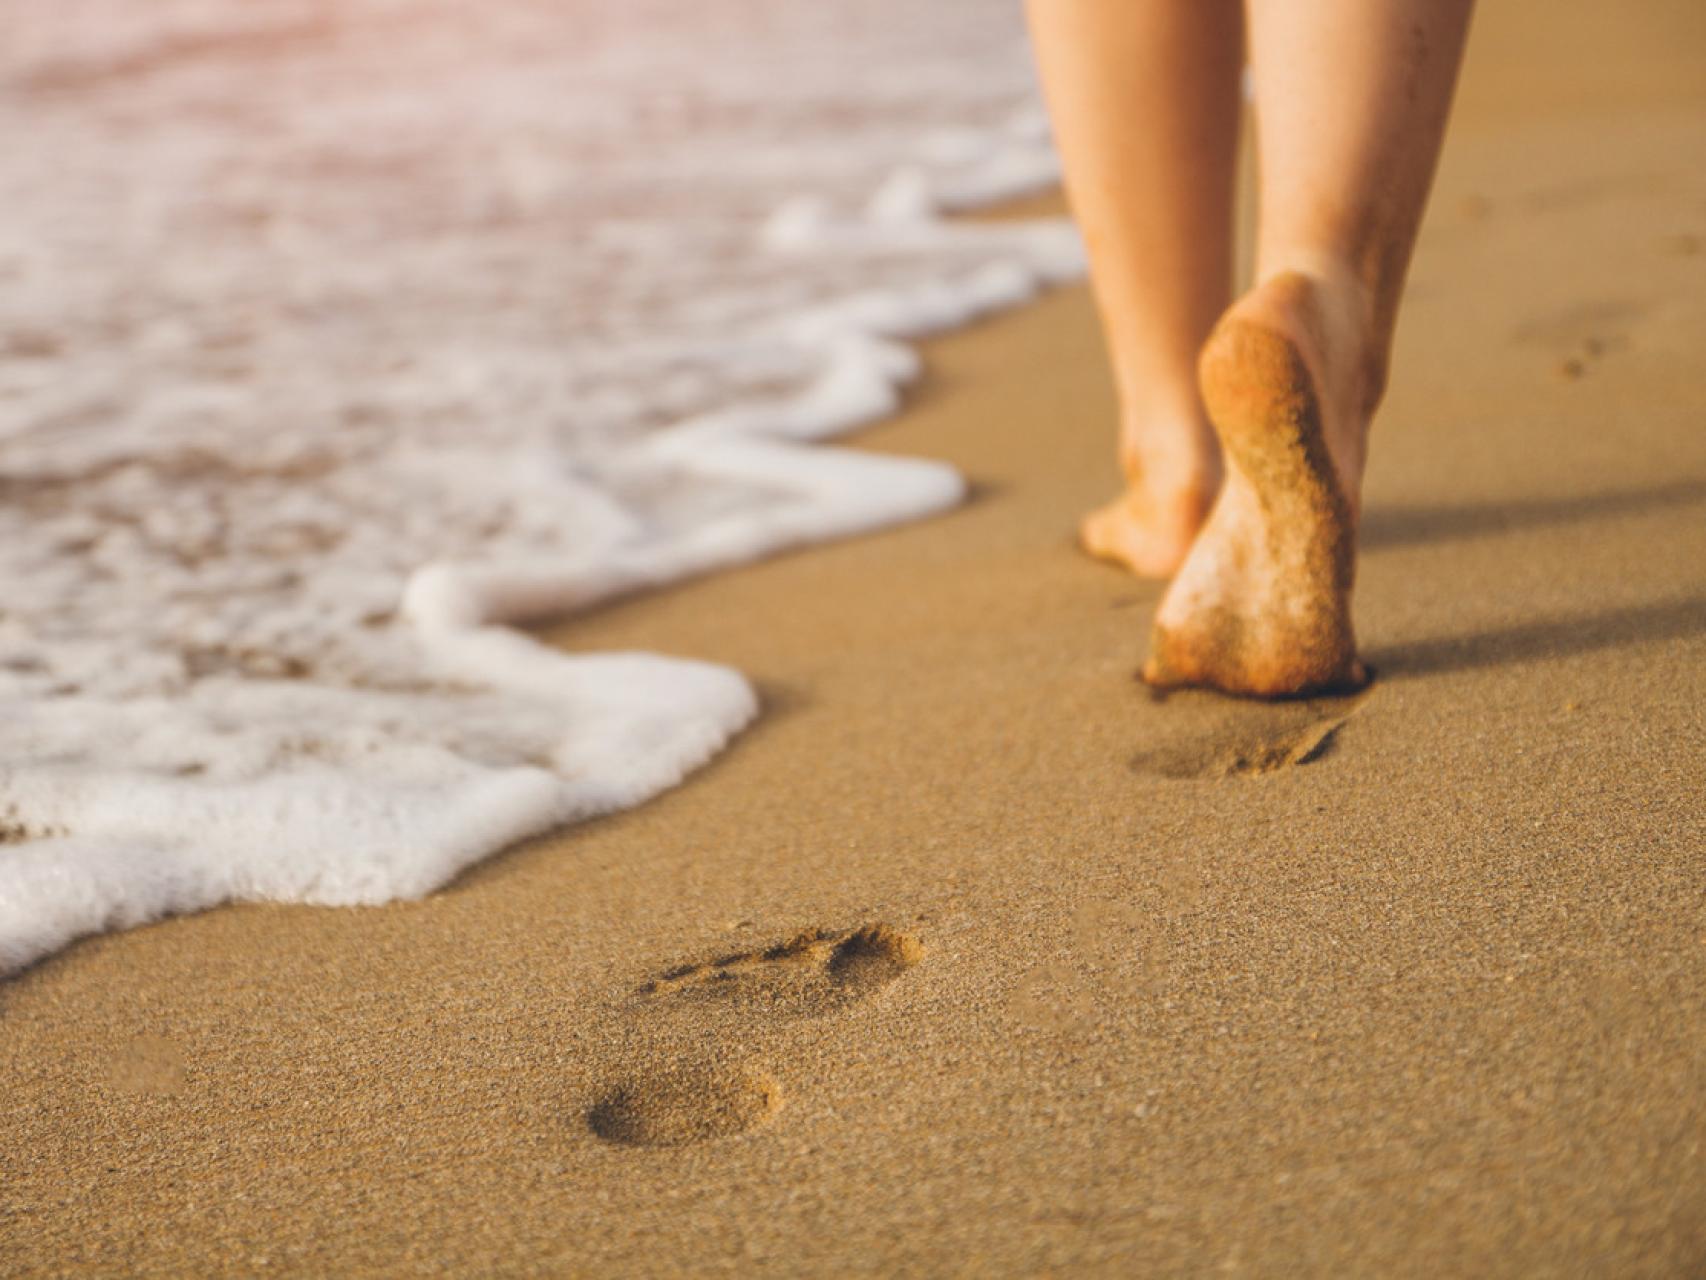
x=337 y=341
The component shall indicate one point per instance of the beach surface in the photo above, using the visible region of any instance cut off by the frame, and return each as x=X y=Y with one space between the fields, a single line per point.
x=972 y=957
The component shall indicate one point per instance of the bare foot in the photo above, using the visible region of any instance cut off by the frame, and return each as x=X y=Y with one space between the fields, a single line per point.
x=1262 y=604
x=1148 y=528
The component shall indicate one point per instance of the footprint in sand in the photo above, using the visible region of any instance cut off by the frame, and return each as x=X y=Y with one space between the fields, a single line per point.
x=1580 y=336
x=1208 y=736
x=812 y=973
x=693 y=1099
x=682 y=1103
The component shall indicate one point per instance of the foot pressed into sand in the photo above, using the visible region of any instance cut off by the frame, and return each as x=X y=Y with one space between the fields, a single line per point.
x=1262 y=604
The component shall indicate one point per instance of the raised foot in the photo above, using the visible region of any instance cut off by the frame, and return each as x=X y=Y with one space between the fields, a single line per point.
x=1261 y=605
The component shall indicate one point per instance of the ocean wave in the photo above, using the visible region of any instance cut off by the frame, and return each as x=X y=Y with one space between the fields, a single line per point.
x=336 y=341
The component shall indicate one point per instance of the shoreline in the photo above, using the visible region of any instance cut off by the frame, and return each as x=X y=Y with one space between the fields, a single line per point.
x=212 y=690
x=1423 y=999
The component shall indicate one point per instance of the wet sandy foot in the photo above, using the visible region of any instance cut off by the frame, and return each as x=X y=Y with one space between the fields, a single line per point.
x=1262 y=604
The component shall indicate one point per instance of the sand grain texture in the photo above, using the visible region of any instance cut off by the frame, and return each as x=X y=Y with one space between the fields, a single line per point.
x=1423 y=996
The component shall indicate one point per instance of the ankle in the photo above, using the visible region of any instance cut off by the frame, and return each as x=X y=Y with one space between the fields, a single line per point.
x=1343 y=322
x=1179 y=460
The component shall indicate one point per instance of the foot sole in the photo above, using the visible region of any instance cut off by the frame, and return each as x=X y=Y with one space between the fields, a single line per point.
x=1284 y=627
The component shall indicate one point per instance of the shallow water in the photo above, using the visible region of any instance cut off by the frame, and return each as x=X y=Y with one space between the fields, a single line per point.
x=335 y=335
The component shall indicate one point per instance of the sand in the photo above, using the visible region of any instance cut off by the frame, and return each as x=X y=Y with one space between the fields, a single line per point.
x=972 y=957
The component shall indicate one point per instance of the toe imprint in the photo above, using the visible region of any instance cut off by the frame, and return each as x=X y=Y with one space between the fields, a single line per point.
x=813 y=972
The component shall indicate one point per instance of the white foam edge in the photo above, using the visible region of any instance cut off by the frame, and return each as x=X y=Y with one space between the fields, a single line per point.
x=131 y=863
x=128 y=864
x=841 y=493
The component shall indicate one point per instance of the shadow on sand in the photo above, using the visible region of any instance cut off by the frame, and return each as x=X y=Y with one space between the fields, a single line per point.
x=1547 y=638
x=1407 y=526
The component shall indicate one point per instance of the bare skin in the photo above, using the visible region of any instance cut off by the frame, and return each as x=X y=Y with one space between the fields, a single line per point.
x=1261 y=605
x=1145 y=99
x=1352 y=100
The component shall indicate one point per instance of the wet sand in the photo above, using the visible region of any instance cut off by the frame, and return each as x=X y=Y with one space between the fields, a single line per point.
x=1406 y=984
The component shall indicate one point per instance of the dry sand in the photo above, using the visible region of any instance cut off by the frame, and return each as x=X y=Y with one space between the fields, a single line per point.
x=1184 y=987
